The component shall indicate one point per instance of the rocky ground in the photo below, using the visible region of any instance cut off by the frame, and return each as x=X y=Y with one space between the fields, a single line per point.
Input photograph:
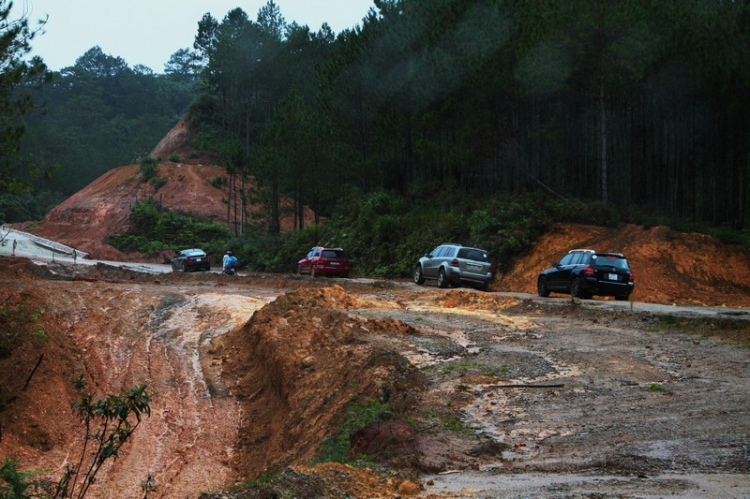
x=483 y=395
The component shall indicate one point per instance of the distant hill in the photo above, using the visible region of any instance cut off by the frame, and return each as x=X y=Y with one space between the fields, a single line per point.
x=86 y=219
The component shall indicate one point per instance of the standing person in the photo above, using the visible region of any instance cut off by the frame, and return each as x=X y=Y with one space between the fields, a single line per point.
x=15 y=243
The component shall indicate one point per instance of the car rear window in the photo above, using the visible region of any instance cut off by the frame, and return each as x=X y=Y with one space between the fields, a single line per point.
x=613 y=260
x=193 y=253
x=473 y=254
x=333 y=254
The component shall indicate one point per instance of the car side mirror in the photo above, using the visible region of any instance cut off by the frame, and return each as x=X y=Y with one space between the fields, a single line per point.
x=428 y=255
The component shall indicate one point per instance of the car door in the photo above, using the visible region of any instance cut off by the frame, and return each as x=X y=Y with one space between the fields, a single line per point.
x=304 y=264
x=177 y=260
x=556 y=276
x=431 y=264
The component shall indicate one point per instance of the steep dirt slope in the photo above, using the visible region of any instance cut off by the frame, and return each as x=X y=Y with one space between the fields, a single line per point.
x=669 y=266
x=85 y=220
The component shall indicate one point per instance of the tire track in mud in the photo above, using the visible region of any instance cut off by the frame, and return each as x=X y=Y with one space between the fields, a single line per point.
x=188 y=442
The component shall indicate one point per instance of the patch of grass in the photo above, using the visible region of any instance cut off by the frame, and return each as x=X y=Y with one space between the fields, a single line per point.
x=455 y=424
x=359 y=414
x=657 y=387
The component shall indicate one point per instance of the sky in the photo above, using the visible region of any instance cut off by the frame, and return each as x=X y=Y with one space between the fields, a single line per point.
x=148 y=32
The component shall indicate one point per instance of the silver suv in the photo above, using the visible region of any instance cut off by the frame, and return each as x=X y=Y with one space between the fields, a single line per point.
x=455 y=264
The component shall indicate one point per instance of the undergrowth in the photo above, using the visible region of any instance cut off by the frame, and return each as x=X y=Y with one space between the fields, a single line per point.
x=359 y=414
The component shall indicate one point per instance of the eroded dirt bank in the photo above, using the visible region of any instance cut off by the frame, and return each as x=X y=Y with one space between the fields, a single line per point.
x=251 y=375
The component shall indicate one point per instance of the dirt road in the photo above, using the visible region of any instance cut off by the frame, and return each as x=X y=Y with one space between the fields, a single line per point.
x=505 y=396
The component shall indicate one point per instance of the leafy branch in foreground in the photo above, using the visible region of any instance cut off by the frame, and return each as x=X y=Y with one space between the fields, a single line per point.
x=16 y=484
x=108 y=426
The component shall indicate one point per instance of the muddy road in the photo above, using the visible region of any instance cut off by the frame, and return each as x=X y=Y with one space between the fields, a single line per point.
x=503 y=396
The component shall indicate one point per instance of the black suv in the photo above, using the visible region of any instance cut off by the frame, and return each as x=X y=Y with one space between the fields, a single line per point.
x=584 y=273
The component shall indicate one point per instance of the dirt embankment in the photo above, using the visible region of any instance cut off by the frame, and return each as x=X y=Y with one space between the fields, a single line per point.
x=486 y=394
x=670 y=267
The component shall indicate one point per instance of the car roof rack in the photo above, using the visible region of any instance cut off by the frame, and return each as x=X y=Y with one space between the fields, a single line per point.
x=582 y=251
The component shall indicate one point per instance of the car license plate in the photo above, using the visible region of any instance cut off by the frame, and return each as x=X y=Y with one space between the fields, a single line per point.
x=473 y=267
x=335 y=263
x=199 y=259
x=612 y=277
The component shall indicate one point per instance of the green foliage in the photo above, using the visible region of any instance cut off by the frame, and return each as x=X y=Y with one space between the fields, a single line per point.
x=148 y=168
x=359 y=414
x=218 y=182
x=158 y=183
x=155 y=229
x=108 y=425
x=19 y=75
x=25 y=206
x=174 y=157
x=15 y=484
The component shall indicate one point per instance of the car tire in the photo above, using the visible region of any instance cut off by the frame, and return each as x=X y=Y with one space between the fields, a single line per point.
x=345 y=276
x=483 y=286
x=622 y=297
x=298 y=270
x=541 y=287
x=575 y=289
x=442 y=281
x=418 y=277
x=312 y=271
x=184 y=268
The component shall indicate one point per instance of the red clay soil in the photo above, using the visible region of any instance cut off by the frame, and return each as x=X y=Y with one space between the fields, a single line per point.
x=670 y=267
x=86 y=219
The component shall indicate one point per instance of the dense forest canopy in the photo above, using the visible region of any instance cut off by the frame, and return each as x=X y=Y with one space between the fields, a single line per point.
x=626 y=102
x=629 y=102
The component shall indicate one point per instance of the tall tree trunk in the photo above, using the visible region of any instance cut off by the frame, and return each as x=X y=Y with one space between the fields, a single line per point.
x=603 y=131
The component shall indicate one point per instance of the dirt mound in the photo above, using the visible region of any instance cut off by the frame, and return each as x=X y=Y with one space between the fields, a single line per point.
x=669 y=266
x=299 y=363
x=474 y=301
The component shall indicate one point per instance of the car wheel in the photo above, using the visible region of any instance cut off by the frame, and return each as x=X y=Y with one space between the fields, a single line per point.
x=184 y=268
x=345 y=276
x=541 y=287
x=442 y=280
x=298 y=270
x=483 y=286
x=622 y=297
x=418 y=277
x=312 y=271
x=575 y=289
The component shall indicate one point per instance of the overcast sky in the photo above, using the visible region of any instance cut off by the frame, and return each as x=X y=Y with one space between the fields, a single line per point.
x=148 y=32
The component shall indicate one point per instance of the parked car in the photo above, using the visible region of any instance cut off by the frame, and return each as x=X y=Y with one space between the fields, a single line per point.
x=584 y=273
x=455 y=264
x=191 y=259
x=325 y=261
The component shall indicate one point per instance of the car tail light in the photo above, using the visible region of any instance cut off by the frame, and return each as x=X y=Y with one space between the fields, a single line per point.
x=631 y=278
x=454 y=263
x=588 y=272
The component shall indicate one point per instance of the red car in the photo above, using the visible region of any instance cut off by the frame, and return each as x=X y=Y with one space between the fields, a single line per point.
x=324 y=261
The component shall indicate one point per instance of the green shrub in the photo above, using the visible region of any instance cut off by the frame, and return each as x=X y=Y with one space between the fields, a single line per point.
x=148 y=168
x=174 y=157
x=155 y=229
x=218 y=182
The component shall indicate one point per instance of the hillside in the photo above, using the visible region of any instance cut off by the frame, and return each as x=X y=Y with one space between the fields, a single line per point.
x=103 y=207
x=670 y=267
